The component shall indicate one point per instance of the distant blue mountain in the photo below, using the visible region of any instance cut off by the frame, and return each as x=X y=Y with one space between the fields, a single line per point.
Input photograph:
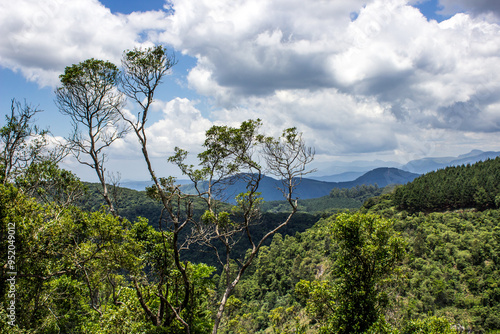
x=426 y=165
x=309 y=188
x=321 y=186
x=342 y=177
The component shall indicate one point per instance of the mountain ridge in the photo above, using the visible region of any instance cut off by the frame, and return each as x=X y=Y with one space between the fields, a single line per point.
x=342 y=171
x=310 y=188
x=425 y=165
x=318 y=186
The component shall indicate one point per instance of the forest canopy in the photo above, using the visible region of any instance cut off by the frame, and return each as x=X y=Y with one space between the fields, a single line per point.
x=418 y=258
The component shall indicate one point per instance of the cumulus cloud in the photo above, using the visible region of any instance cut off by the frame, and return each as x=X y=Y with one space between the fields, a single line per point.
x=45 y=36
x=423 y=72
x=333 y=122
x=181 y=124
x=174 y=123
x=450 y=7
x=171 y=123
x=255 y=47
x=361 y=76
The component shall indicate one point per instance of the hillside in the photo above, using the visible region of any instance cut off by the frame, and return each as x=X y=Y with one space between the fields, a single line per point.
x=381 y=177
x=448 y=279
x=466 y=186
x=341 y=177
x=309 y=188
x=447 y=274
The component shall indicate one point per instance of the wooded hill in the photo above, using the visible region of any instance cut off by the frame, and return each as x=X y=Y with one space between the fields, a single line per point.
x=319 y=197
x=451 y=270
x=309 y=188
x=465 y=186
x=447 y=277
x=447 y=282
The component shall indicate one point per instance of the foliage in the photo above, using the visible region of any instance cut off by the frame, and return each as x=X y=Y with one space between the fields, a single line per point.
x=359 y=192
x=450 y=271
x=75 y=271
x=21 y=142
x=25 y=153
x=453 y=267
x=48 y=183
x=322 y=205
x=397 y=266
x=453 y=256
x=466 y=186
x=368 y=250
x=143 y=70
x=88 y=95
x=237 y=154
x=66 y=255
x=268 y=288
x=338 y=200
x=430 y=325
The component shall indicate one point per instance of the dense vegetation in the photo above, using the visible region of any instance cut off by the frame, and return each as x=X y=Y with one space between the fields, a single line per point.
x=339 y=199
x=419 y=258
x=466 y=186
x=450 y=271
x=90 y=272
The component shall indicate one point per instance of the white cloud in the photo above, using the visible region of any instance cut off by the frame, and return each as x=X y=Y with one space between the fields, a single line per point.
x=45 y=36
x=181 y=125
x=178 y=123
x=254 y=47
x=365 y=76
x=421 y=73
x=333 y=122
x=450 y=7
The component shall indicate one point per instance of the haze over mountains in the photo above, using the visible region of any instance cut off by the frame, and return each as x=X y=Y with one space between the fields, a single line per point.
x=346 y=172
x=426 y=165
x=310 y=188
x=318 y=186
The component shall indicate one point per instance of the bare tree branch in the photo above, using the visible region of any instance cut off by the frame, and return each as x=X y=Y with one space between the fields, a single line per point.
x=89 y=96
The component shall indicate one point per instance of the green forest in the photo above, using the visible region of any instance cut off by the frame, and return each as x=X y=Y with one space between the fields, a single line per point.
x=97 y=258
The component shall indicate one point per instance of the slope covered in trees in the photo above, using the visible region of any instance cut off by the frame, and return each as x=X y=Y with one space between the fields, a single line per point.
x=448 y=278
x=466 y=186
x=451 y=271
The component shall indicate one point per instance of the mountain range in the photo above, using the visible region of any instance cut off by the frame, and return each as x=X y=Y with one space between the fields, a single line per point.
x=347 y=172
x=319 y=186
x=310 y=188
x=425 y=165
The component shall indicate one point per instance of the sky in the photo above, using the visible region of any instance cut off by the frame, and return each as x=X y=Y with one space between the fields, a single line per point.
x=363 y=80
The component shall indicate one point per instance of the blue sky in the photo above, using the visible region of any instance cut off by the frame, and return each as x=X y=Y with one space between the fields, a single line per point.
x=127 y=7
x=392 y=80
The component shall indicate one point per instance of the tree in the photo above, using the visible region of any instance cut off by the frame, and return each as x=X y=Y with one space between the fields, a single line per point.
x=367 y=254
x=432 y=324
x=29 y=160
x=89 y=96
x=50 y=184
x=234 y=155
x=23 y=144
x=143 y=70
x=17 y=150
x=369 y=250
x=76 y=271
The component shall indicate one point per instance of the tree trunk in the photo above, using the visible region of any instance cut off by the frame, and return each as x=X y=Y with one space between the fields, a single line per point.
x=222 y=305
